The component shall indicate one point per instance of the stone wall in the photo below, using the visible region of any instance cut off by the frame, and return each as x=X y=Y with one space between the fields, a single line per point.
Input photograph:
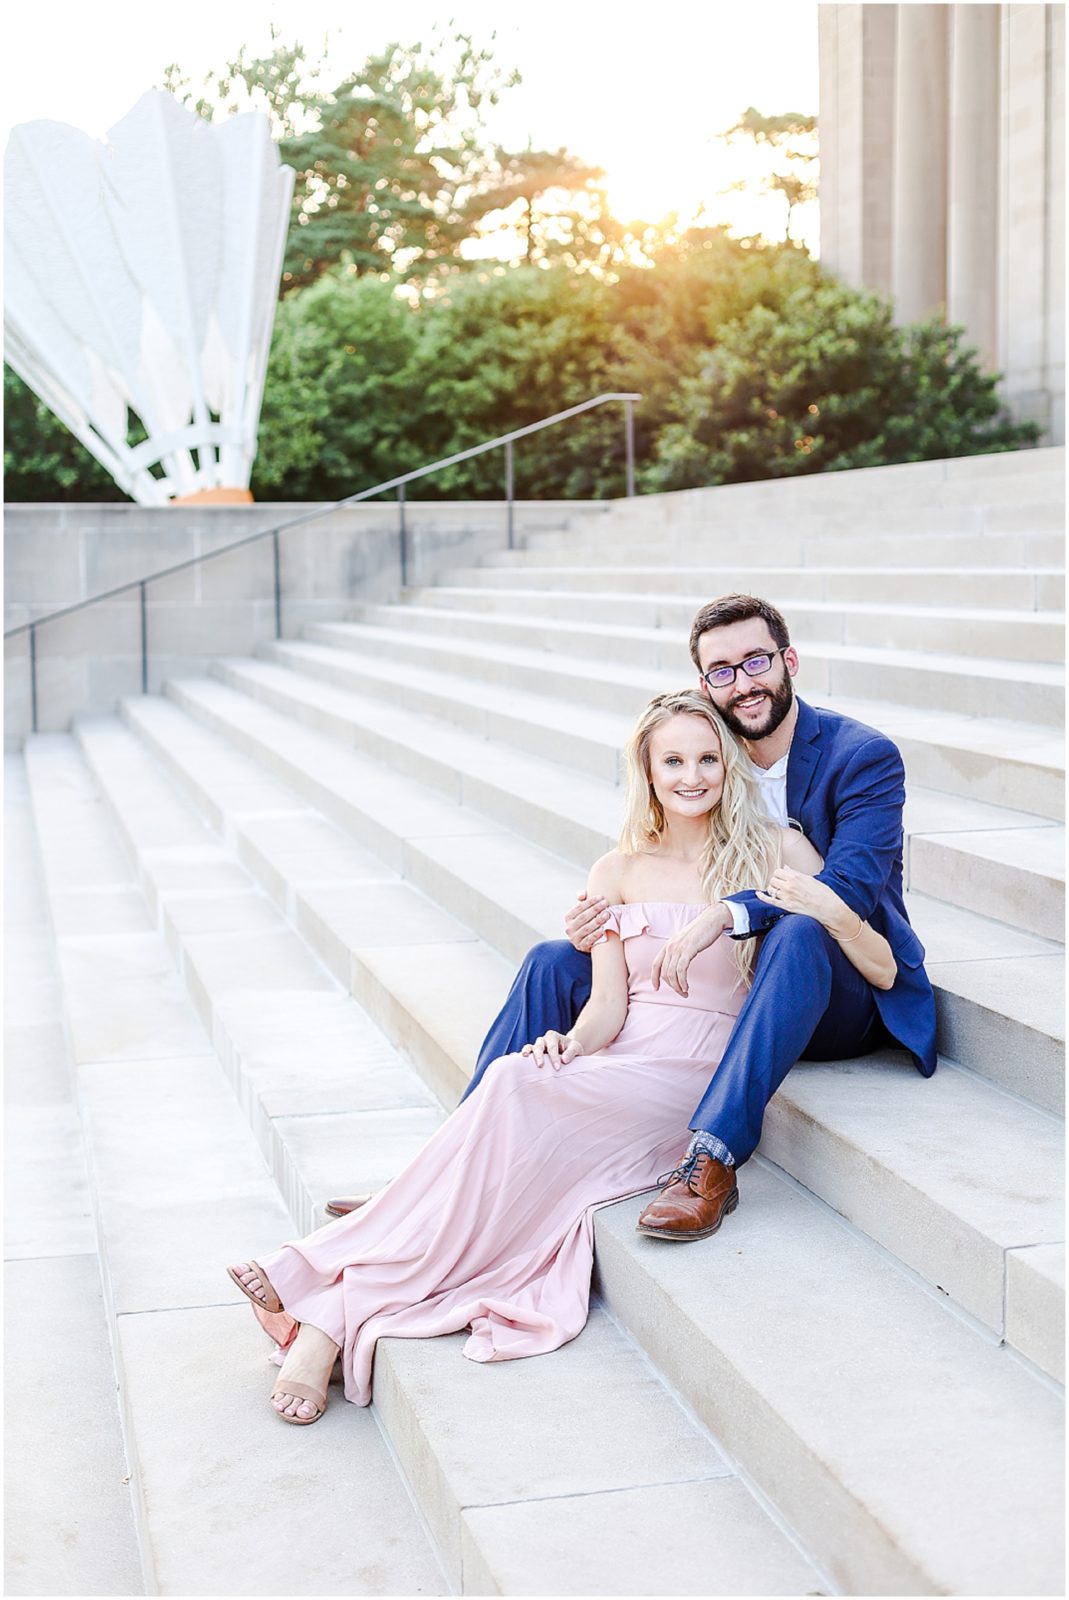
x=943 y=176
x=56 y=555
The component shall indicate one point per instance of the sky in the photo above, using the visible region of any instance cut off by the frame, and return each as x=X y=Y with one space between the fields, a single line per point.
x=640 y=90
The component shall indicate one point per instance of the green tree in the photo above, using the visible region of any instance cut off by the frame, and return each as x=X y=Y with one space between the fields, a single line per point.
x=42 y=459
x=828 y=382
x=667 y=318
x=341 y=407
x=385 y=163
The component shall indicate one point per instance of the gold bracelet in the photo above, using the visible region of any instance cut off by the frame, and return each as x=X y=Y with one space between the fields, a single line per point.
x=853 y=936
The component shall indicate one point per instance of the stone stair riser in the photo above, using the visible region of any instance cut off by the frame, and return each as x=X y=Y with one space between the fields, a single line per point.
x=699 y=548
x=346 y=670
x=1020 y=591
x=426 y=1421
x=1019 y=697
x=1005 y=778
x=1029 y=900
x=1024 y=637
x=964 y=1264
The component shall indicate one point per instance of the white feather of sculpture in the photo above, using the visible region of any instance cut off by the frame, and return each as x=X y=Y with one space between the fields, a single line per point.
x=141 y=277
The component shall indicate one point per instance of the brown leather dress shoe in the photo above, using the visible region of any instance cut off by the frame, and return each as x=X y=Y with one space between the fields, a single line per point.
x=694 y=1200
x=347 y=1204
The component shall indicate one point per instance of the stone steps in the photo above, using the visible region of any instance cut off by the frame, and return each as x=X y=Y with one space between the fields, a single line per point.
x=344 y=847
x=679 y=544
x=1017 y=880
x=179 y=1189
x=551 y=805
x=614 y=666
x=825 y=1136
x=654 y=587
x=69 y=1516
x=877 y=1328
x=1018 y=635
x=594 y=1425
x=1004 y=763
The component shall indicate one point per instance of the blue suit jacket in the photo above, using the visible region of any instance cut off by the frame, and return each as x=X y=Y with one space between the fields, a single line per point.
x=846 y=788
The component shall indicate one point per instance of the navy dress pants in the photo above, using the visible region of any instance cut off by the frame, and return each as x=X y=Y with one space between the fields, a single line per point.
x=806 y=1000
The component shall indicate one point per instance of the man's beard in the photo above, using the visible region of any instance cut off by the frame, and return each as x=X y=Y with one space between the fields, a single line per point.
x=780 y=700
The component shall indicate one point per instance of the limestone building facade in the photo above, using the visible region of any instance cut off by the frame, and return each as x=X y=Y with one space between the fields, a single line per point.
x=942 y=182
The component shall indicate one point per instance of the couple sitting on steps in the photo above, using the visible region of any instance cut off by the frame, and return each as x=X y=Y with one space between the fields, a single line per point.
x=751 y=915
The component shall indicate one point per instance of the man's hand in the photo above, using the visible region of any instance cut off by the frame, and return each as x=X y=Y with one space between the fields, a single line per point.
x=585 y=921
x=806 y=896
x=556 y=1048
x=672 y=961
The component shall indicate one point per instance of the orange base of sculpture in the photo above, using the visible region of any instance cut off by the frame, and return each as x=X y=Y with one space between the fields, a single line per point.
x=214 y=497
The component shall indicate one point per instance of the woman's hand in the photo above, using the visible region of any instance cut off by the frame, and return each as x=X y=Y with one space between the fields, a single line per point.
x=584 y=922
x=798 y=892
x=672 y=961
x=556 y=1048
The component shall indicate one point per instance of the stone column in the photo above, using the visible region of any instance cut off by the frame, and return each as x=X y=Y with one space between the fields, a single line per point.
x=856 y=141
x=918 y=248
x=1031 y=217
x=972 y=236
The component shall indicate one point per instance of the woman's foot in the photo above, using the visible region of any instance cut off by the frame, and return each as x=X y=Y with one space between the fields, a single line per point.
x=252 y=1281
x=308 y=1365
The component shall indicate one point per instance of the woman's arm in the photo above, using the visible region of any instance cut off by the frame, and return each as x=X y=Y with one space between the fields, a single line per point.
x=603 y=1015
x=794 y=888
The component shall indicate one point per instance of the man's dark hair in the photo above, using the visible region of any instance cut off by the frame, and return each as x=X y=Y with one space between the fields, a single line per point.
x=737 y=608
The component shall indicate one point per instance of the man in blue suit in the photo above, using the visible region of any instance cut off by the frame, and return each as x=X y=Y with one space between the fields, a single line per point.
x=843 y=783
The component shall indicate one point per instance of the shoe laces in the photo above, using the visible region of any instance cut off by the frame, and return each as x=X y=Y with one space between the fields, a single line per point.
x=685 y=1170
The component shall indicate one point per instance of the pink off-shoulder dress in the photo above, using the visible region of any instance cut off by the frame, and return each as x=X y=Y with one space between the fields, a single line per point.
x=491 y=1226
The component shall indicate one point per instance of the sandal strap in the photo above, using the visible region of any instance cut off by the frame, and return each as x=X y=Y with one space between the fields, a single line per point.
x=271 y=1302
x=302 y=1391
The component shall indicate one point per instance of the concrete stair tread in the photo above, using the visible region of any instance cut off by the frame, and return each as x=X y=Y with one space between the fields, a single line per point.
x=183 y=1336
x=954 y=748
x=574 y=1443
x=928 y=811
x=586 y=811
x=388 y=964
x=874 y=1332
x=619 y=667
x=865 y=1390
x=603 y=727
x=1030 y=744
x=950 y=935
x=1041 y=672
x=1028 y=619
x=1028 y=586
x=516 y=772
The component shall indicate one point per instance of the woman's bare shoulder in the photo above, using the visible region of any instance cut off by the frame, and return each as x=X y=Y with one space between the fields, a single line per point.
x=607 y=876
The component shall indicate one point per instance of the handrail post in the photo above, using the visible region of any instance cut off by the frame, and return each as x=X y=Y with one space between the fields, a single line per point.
x=404 y=536
x=629 y=441
x=144 y=640
x=33 y=676
x=278 y=590
x=508 y=489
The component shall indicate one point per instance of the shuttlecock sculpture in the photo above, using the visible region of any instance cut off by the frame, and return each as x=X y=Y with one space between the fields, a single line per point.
x=141 y=277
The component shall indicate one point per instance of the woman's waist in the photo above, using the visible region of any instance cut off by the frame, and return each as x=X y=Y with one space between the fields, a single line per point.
x=662 y=1003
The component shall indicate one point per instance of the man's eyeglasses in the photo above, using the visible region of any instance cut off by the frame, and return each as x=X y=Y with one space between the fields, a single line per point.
x=753 y=666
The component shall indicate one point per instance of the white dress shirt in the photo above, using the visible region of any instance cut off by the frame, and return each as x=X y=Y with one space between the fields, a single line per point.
x=772 y=784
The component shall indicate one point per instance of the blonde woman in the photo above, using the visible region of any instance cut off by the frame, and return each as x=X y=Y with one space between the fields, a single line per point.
x=490 y=1227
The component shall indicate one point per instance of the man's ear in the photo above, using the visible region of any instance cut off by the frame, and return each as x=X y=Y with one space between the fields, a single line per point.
x=790 y=656
x=703 y=687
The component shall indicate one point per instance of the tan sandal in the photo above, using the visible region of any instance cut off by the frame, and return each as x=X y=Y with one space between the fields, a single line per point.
x=300 y=1391
x=270 y=1302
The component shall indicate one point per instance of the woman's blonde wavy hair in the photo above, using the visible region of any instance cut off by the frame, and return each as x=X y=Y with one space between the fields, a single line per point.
x=743 y=848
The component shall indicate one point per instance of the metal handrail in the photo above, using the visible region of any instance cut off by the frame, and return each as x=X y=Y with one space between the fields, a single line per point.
x=400 y=483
